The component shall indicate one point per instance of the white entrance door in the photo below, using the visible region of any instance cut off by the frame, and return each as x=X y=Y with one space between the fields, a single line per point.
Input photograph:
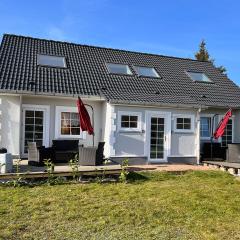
x=35 y=126
x=158 y=136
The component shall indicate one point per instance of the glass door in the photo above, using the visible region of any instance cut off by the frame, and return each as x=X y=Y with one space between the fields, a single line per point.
x=157 y=138
x=34 y=127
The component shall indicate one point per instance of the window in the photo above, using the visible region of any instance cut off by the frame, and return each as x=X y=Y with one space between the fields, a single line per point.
x=183 y=123
x=198 y=77
x=67 y=123
x=205 y=127
x=146 y=71
x=129 y=121
x=51 y=61
x=119 y=68
x=70 y=124
x=228 y=134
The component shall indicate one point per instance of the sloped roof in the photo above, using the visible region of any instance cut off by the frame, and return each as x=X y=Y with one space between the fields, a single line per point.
x=86 y=74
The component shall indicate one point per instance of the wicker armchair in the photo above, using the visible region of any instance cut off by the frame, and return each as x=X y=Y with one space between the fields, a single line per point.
x=36 y=155
x=87 y=156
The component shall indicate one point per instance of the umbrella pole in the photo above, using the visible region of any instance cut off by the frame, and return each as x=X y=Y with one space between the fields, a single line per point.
x=92 y=121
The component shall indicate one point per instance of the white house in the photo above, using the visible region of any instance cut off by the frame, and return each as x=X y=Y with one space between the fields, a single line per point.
x=147 y=107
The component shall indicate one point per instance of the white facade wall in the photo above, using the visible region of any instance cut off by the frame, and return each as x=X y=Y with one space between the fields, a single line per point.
x=53 y=102
x=182 y=144
x=10 y=123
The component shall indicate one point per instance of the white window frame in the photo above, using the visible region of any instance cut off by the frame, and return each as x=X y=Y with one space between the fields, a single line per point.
x=119 y=64
x=233 y=126
x=46 y=126
x=175 y=116
x=59 y=110
x=51 y=65
x=211 y=127
x=129 y=113
x=204 y=74
x=141 y=75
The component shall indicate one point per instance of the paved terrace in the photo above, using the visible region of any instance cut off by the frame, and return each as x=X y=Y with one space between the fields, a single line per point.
x=28 y=171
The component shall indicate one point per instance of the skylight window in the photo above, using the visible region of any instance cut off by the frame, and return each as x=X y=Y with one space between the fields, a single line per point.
x=146 y=71
x=51 y=61
x=198 y=77
x=119 y=68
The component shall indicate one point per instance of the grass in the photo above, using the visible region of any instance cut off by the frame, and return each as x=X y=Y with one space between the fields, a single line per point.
x=157 y=205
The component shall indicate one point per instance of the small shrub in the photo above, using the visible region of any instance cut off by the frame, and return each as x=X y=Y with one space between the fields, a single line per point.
x=124 y=172
x=17 y=182
x=50 y=170
x=102 y=177
x=73 y=163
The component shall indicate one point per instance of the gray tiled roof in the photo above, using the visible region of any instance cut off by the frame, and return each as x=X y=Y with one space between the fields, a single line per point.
x=86 y=74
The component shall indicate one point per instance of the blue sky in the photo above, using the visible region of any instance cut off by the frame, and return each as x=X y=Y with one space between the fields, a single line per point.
x=173 y=27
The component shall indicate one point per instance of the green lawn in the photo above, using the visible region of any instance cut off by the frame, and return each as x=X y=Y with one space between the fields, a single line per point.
x=196 y=205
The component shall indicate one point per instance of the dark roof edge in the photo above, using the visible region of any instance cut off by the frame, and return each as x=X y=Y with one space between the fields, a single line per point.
x=100 y=47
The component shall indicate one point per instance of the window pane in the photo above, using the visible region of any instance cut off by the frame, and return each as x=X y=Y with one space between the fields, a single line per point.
x=118 y=68
x=153 y=120
x=153 y=134
x=65 y=131
x=65 y=123
x=187 y=126
x=195 y=76
x=75 y=131
x=179 y=120
x=133 y=124
x=29 y=113
x=39 y=121
x=29 y=135
x=124 y=118
x=160 y=121
x=146 y=71
x=51 y=61
x=187 y=120
x=29 y=128
x=65 y=115
x=125 y=124
x=75 y=116
x=39 y=128
x=29 y=121
x=180 y=126
x=154 y=127
x=38 y=135
x=75 y=123
x=39 y=114
x=160 y=155
x=227 y=136
x=133 y=118
x=205 y=126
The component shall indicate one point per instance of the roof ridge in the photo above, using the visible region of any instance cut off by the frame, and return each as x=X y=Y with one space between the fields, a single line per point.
x=101 y=47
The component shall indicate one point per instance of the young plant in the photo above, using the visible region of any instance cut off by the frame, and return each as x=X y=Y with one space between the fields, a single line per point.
x=73 y=163
x=124 y=172
x=101 y=178
x=50 y=170
x=17 y=181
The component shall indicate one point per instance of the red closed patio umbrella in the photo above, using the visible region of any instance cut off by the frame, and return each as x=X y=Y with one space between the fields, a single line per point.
x=85 y=121
x=222 y=125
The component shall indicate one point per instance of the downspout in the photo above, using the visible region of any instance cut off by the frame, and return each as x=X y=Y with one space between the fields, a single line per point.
x=198 y=136
x=20 y=127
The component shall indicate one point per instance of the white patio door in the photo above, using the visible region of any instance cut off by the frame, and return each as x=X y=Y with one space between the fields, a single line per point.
x=35 y=126
x=158 y=136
